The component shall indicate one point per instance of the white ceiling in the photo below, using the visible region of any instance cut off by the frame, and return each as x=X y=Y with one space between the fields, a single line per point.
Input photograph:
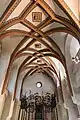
x=9 y=43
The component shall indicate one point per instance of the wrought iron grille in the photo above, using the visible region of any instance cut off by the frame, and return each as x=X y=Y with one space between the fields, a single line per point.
x=36 y=107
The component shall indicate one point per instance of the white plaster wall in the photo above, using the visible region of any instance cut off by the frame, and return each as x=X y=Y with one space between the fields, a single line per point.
x=12 y=79
x=72 y=114
x=70 y=51
x=74 y=47
x=55 y=8
x=6 y=107
x=74 y=6
x=3 y=5
x=30 y=84
x=60 y=67
x=4 y=60
x=8 y=45
x=19 y=85
x=59 y=38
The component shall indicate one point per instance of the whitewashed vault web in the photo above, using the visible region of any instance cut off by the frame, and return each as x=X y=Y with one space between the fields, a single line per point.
x=18 y=20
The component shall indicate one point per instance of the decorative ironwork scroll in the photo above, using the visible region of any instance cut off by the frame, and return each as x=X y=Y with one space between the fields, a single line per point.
x=36 y=107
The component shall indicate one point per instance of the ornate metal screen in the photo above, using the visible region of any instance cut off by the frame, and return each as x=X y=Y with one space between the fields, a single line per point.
x=36 y=107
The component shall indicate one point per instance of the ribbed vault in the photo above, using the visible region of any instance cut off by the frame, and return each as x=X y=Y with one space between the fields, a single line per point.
x=37 y=59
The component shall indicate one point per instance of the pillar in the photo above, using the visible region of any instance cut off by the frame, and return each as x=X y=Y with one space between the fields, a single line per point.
x=68 y=102
x=2 y=102
x=72 y=114
x=14 y=110
x=11 y=110
x=18 y=103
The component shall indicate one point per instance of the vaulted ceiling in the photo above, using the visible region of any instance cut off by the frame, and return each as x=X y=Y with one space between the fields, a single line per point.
x=43 y=38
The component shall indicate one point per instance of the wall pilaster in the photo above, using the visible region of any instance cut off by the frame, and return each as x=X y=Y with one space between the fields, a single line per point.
x=2 y=102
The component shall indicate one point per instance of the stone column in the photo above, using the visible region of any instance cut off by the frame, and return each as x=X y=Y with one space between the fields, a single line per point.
x=20 y=115
x=11 y=110
x=62 y=112
x=68 y=102
x=16 y=110
x=72 y=114
x=78 y=112
x=58 y=112
x=53 y=115
x=2 y=102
